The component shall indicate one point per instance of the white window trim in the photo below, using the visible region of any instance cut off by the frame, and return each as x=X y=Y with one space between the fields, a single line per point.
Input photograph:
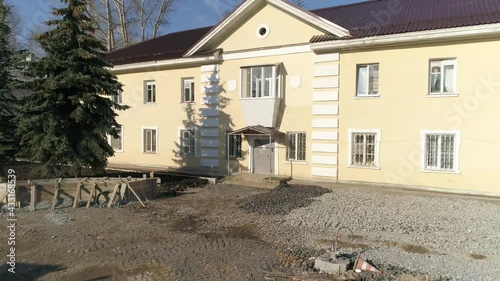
x=146 y=84
x=183 y=80
x=296 y=148
x=179 y=129
x=276 y=80
x=357 y=95
x=378 y=138
x=157 y=137
x=451 y=61
x=111 y=137
x=456 y=162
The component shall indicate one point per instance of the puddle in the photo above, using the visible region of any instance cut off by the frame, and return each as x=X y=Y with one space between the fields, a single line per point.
x=416 y=249
x=478 y=256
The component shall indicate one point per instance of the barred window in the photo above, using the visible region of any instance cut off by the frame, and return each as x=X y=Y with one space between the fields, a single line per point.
x=296 y=148
x=364 y=149
x=117 y=142
x=149 y=140
x=440 y=152
x=234 y=146
x=188 y=141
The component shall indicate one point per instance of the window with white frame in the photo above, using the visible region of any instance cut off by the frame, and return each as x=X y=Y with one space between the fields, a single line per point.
x=188 y=142
x=187 y=90
x=261 y=81
x=117 y=142
x=441 y=150
x=442 y=76
x=150 y=92
x=117 y=98
x=367 y=80
x=150 y=139
x=364 y=148
x=234 y=145
x=296 y=148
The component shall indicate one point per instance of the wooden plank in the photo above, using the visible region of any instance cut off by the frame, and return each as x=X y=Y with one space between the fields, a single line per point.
x=77 y=195
x=92 y=191
x=56 y=194
x=33 y=197
x=113 y=194
x=130 y=188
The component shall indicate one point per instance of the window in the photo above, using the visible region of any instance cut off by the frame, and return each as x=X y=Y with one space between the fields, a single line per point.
x=117 y=142
x=296 y=148
x=364 y=148
x=441 y=151
x=188 y=141
x=150 y=95
x=367 y=80
x=188 y=90
x=234 y=146
x=117 y=98
x=442 y=77
x=150 y=138
x=261 y=81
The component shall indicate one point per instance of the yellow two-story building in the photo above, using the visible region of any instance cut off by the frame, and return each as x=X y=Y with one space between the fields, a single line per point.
x=389 y=91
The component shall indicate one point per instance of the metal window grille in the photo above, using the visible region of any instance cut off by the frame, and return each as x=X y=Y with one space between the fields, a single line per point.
x=296 y=148
x=440 y=152
x=116 y=142
x=150 y=140
x=235 y=146
x=363 y=149
x=188 y=142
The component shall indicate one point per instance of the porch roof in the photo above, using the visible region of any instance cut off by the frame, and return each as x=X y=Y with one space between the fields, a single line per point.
x=257 y=130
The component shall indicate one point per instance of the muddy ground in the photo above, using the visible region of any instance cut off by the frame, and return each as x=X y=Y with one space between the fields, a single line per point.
x=211 y=233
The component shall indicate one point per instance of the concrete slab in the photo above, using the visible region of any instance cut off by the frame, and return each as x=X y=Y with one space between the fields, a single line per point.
x=338 y=266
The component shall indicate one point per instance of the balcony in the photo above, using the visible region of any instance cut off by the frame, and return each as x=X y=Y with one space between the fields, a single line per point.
x=260 y=111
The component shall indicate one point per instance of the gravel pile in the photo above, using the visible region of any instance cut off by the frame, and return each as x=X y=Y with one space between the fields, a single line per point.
x=450 y=238
x=283 y=199
x=58 y=218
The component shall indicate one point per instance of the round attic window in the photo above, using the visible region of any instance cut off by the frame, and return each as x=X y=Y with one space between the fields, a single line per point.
x=262 y=31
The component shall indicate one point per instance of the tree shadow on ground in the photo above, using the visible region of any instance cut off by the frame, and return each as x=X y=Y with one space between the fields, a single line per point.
x=27 y=271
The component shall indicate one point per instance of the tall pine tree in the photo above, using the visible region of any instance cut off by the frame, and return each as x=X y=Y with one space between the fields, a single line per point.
x=68 y=118
x=7 y=101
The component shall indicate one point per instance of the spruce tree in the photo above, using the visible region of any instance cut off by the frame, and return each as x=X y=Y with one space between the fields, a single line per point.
x=68 y=118
x=7 y=101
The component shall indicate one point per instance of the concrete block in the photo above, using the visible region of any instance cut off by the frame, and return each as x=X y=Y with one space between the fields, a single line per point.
x=338 y=266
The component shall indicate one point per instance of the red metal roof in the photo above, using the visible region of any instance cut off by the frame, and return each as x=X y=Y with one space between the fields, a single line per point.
x=170 y=46
x=365 y=19
x=381 y=17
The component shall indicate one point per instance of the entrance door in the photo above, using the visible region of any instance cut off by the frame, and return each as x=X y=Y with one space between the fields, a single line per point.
x=263 y=157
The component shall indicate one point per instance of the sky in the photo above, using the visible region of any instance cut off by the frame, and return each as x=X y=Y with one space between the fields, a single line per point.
x=188 y=14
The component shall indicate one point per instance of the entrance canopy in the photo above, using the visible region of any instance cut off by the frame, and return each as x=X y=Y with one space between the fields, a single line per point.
x=258 y=130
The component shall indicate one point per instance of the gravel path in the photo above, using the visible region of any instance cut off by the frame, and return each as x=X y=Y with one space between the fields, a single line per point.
x=449 y=238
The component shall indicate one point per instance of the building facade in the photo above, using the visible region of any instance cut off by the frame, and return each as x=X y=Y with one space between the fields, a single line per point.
x=388 y=91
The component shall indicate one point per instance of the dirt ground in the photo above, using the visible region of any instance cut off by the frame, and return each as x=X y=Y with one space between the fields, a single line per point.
x=172 y=239
x=200 y=234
